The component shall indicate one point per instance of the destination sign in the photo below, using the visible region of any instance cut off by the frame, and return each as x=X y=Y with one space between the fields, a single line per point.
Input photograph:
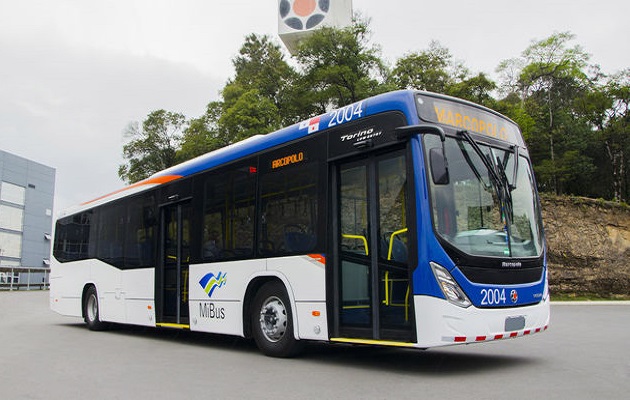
x=466 y=117
x=287 y=160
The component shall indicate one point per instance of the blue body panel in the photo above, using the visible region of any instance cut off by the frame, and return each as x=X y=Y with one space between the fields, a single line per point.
x=403 y=101
x=429 y=249
x=501 y=295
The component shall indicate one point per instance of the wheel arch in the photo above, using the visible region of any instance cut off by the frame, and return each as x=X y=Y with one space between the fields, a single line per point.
x=86 y=287
x=252 y=288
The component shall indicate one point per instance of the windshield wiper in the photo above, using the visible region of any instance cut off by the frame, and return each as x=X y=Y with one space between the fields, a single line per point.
x=494 y=175
x=507 y=188
x=515 y=172
x=473 y=167
x=499 y=180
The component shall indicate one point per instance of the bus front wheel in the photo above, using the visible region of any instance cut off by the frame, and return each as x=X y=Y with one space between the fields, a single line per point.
x=272 y=322
x=91 y=314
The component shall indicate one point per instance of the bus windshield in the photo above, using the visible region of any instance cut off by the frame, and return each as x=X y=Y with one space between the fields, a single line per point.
x=489 y=206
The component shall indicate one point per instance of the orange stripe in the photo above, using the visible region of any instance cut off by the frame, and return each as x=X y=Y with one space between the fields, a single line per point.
x=318 y=257
x=158 y=180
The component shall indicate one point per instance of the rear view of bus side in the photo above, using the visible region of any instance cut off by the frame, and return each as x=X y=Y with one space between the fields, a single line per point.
x=408 y=219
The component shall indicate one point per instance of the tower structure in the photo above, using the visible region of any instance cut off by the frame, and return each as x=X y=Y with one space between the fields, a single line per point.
x=297 y=19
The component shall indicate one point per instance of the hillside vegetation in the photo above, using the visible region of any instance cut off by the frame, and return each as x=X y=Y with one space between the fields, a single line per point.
x=589 y=247
x=575 y=118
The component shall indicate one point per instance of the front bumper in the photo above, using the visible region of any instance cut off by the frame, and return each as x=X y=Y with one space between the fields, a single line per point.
x=440 y=323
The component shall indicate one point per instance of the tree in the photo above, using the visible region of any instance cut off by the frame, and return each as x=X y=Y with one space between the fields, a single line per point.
x=615 y=134
x=203 y=134
x=339 y=67
x=573 y=118
x=260 y=65
x=431 y=70
x=435 y=70
x=548 y=78
x=153 y=147
x=477 y=89
x=250 y=114
x=256 y=100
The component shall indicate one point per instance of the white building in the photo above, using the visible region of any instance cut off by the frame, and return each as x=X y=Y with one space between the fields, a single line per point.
x=26 y=202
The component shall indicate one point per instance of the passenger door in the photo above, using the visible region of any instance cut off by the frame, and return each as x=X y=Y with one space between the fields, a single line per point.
x=372 y=279
x=172 y=273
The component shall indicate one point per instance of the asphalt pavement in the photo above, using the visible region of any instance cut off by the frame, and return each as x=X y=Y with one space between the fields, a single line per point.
x=585 y=354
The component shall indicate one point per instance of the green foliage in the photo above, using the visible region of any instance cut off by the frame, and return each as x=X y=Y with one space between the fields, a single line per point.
x=614 y=133
x=573 y=117
x=203 y=134
x=254 y=101
x=435 y=70
x=425 y=70
x=339 y=67
x=477 y=89
x=153 y=147
x=251 y=113
x=552 y=82
x=260 y=64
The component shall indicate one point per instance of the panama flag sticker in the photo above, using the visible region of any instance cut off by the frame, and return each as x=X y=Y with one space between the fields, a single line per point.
x=312 y=124
x=303 y=14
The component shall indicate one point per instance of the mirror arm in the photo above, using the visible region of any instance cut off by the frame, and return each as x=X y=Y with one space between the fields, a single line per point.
x=404 y=132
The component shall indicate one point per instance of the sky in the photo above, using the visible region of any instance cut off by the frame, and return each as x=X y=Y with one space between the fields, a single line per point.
x=75 y=73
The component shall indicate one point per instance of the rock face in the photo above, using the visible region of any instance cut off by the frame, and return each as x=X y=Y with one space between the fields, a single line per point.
x=589 y=246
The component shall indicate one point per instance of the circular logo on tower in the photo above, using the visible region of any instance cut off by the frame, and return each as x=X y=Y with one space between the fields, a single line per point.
x=303 y=14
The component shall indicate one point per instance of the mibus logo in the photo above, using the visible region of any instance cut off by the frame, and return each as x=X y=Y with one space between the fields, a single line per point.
x=211 y=282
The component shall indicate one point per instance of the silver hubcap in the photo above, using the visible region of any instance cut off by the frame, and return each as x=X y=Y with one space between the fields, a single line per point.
x=273 y=319
x=92 y=307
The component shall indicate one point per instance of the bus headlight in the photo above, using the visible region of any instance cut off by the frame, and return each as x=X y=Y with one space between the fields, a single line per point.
x=449 y=286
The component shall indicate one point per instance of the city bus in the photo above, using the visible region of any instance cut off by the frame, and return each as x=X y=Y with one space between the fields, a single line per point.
x=408 y=219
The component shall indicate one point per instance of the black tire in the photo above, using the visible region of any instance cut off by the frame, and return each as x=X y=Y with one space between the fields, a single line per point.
x=91 y=314
x=272 y=322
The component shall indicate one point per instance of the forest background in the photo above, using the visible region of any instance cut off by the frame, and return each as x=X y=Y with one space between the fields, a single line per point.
x=573 y=115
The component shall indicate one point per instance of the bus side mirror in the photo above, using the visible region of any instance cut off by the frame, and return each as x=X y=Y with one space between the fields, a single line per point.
x=439 y=166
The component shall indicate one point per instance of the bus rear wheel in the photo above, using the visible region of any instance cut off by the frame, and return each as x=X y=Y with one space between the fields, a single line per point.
x=91 y=314
x=272 y=322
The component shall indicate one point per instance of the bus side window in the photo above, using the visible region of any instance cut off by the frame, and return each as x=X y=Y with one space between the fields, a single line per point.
x=212 y=236
x=72 y=240
x=140 y=234
x=289 y=198
x=228 y=222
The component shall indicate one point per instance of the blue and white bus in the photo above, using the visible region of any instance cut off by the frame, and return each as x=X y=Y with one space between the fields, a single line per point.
x=407 y=219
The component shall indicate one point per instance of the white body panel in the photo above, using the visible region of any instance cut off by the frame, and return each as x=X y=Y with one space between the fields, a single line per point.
x=226 y=300
x=124 y=296
x=440 y=323
x=307 y=283
x=128 y=296
x=221 y=310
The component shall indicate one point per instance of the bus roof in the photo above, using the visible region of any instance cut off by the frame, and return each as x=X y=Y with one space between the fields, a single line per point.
x=402 y=100
x=399 y=100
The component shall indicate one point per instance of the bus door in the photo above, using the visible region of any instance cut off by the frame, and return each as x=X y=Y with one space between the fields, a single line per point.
x=372 y=279
x=172 y=274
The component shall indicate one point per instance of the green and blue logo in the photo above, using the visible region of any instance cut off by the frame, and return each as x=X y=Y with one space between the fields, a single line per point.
x=210 y=282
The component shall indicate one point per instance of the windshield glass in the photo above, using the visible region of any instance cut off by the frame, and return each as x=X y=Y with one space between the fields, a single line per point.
x=482 y=211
